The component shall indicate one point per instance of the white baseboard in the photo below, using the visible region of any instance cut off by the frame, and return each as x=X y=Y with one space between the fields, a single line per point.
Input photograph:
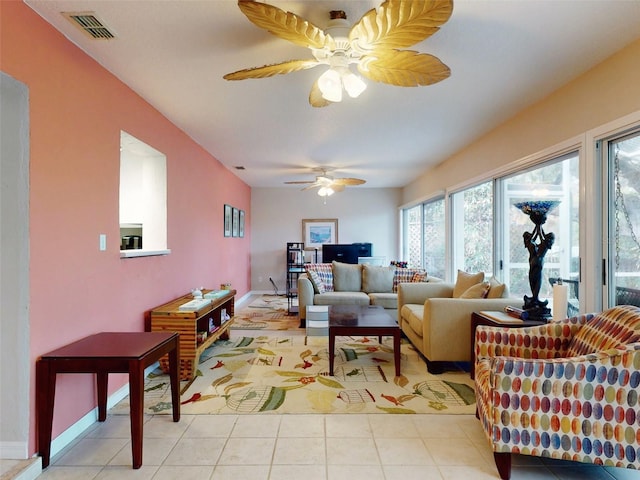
x=32 y=472
x=14 y=450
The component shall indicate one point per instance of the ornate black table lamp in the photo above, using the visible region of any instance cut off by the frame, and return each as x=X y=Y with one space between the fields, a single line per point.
x=537 y=243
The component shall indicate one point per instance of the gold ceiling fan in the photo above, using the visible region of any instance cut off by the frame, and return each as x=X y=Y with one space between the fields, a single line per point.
x=372 y=44
x=327 y=185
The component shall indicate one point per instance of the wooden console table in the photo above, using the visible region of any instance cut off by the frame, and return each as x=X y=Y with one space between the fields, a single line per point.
x=188 y=324
x=494 y=319
x=102 y=354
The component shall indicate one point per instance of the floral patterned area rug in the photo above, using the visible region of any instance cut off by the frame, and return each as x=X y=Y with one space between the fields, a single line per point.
x=268 y=312
x=290 y=374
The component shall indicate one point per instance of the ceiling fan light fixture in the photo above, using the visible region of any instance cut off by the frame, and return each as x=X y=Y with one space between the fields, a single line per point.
x=353 y=84
x=330 y=84
x=325 y=191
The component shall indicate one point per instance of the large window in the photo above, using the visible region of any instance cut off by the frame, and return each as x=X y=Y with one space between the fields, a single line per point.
x=555 y=180
x=624 y=220
x=413 y=241
x=480 y=243
x=425 y=237
x=435 y=238
x=472 y=229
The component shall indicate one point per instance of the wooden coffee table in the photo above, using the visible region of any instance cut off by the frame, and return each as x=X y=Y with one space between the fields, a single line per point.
x=359 y=321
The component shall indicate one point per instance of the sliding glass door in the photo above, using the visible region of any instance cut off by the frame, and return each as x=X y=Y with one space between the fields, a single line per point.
x=623 y=245
x=557 y=180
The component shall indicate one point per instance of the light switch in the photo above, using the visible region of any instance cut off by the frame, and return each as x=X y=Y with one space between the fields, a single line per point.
x=103 y=242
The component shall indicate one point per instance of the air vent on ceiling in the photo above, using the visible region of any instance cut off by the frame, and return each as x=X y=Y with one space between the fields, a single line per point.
x=89 y=24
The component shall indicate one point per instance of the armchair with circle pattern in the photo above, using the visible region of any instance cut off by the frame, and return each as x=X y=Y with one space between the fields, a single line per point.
x=566 y=390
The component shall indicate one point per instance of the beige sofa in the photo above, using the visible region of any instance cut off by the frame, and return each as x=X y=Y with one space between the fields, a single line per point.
x=355 y=285
x=437 y=324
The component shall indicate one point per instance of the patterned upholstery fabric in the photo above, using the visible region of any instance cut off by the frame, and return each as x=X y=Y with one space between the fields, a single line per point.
x=534 y=398
x=324 y=272
x=406 y=275
x=611 y=329
x=318 y=284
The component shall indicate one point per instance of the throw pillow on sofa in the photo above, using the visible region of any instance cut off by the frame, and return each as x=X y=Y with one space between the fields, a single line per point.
x=347 y=277
x=465 y=281
x=497 y=288
x=323 y=276
x=407 y=275
x=377 y=279
x=479 y=290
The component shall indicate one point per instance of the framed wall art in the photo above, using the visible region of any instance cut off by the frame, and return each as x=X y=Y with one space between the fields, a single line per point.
x=235 y=227
x=241 y=226
x=316 y=232
x=227 y=220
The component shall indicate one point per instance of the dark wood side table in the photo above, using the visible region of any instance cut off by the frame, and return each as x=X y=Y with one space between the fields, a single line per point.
x=102 y=354
x=494 y=319
x=361 y=320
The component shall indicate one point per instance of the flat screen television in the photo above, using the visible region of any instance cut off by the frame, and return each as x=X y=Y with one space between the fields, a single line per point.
x=340 y=253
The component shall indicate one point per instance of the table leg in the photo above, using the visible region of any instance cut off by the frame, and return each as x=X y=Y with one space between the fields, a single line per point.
x=332 y=346
x=102 y=379
x=174 y=375
x=45 y=396
x=396 y=351
x=136 y=407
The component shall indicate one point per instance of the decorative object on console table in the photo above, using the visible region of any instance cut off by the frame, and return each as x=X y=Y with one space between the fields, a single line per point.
x=188 y=323
x=537 y=243
x=295 y=266
x=316 y=232
x=495 y=319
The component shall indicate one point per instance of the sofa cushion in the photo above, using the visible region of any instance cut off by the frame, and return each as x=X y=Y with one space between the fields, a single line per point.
x=497 y=289
x=377 y=279
x=479 y=290
x=341 y=298
x=385 y=300
x=612 y=328
x=324 y=272
x=347 y=277
x=465 y=281
x=407 y=275
x=412 y=315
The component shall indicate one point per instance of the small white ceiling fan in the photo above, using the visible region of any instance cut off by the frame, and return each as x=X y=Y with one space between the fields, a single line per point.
x=326 y=184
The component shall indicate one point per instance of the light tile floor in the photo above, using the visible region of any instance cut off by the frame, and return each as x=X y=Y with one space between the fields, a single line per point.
x=308 y=447
x=305 y=447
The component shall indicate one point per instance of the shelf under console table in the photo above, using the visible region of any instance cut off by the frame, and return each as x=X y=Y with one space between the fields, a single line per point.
x=191 y=324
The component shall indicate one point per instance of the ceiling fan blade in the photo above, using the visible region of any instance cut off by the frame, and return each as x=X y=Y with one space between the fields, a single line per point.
x=315 y=97
x=300 y=182
x=348 y=181
x=404 y=68
x=271 y=70
x=399 y=24
x=283 y=24
x=337 y=188
x=313 y=185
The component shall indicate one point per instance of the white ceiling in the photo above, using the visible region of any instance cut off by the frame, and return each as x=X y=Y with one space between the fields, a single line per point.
x=503 y=55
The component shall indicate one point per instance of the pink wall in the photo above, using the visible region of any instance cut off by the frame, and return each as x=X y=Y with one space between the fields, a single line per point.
x=77 y=110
